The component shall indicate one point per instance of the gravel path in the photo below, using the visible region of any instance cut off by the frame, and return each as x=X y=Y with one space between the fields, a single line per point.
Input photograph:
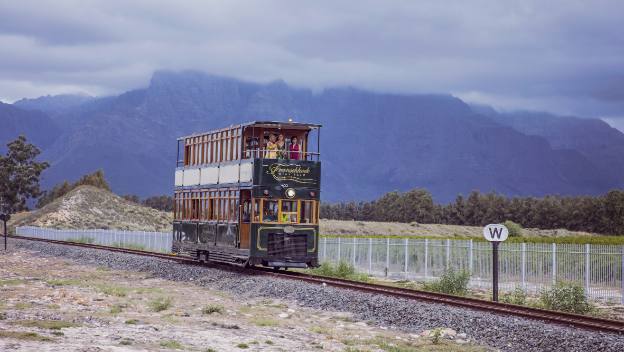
x=505 y=333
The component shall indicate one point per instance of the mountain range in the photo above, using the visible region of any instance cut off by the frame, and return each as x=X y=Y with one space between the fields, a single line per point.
x=371 y=142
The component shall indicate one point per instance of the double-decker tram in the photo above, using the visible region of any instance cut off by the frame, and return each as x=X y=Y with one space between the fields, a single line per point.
x=249 y=194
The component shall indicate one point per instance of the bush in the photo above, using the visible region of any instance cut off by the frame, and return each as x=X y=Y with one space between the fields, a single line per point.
x=518 y=296
x=566 y=297
x=160 y=304
x=515 y=230
x=451 y=282
x=212 y=308
x=342 y=270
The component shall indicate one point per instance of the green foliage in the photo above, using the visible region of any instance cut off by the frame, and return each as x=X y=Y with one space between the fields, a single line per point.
x=452 y=282
x=172 y=344
x=342 y=270
x=603 y=214
x=82 y=239
x=566 y=297
x=19 y=175
x=133 y=246
x=242 y=345
x=435 y=337
x=517 y=296
x=164 y=203
x=515 y=230
x=159 y=304
x=95 y=179
x=212 y=308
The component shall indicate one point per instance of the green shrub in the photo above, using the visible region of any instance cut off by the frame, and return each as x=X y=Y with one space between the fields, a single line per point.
x=452 y=282
x=159 y=304
x=171 y=344
x=518 y=296
x=342 y=270
x=82 y=239
x=212 y=308
x=566 y=297
x=515 y=230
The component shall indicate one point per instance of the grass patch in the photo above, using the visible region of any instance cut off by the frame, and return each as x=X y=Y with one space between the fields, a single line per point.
x=21 y=335
x=11 y=282
x=117 y=291
x=264 y=322
x=46 y=324
x=159 y=304
x=63 y=282
x=342 y=270
x=242 y=345
x=452 y=282
x=172 y=344
x=133 y=246
x=212 y=308
x=82 y=239
x=517 y=296
x=131 y=322
x=117 y=308
x=23 y=305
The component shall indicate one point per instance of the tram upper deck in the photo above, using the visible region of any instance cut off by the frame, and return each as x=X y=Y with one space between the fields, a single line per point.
x=252 y=153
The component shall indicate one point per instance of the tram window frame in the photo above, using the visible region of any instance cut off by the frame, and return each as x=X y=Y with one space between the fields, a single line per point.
x=277 y=207
x=289 y=214
x=308 y=207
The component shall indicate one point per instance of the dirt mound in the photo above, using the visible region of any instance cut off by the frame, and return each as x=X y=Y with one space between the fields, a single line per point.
x=88 y=207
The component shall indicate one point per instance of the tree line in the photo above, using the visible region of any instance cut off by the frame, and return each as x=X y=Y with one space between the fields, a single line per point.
x=600 y=214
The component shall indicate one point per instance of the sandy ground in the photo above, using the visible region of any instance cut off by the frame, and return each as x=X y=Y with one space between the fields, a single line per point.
x=49 y=304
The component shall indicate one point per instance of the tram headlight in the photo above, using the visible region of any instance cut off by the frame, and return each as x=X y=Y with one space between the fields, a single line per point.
x=290 y=193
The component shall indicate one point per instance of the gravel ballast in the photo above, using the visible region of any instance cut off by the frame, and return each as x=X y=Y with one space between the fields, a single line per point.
x=503 y=332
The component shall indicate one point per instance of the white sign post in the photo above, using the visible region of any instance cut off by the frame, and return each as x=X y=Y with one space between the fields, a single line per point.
x=495 y=233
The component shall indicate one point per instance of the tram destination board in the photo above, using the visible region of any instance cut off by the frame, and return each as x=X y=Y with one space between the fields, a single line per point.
x=296 y=174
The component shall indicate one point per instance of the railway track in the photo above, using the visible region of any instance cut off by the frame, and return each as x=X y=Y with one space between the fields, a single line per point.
x=580 y=321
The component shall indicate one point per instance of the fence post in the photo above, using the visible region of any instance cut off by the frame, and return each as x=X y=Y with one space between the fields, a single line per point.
x=587 y=247
x=426 y=257
x=470 y=257
x=622 y=276
x=387 y=256
x=554 y=263
x=339 y=249
x=324 y=248
x=405 y=263
x=370 y=255
x=448 y=253
x=354 y=250
x=523 y=266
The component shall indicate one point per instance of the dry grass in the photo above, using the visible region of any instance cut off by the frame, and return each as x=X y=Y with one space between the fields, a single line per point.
x=373 y=228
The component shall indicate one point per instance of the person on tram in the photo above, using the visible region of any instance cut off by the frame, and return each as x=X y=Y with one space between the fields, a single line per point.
x=295 y=149
x=271 y=148
x=281 y=147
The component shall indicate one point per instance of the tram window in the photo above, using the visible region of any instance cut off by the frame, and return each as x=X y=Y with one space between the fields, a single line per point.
x=256 y=210
x=269 y=211
x=246 y=210
x=289 y=211
x=307 y=212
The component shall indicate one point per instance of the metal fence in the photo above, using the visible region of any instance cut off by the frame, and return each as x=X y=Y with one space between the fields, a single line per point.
x=531 y=266
x=149 y=241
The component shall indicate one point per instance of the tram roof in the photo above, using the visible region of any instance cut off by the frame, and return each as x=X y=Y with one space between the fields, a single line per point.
x=262 y=124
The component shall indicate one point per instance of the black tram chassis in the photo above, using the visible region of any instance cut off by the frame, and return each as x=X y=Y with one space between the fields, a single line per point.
x=275 y=245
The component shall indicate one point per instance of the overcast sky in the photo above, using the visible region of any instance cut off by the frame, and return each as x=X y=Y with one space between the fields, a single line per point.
x=561 y=56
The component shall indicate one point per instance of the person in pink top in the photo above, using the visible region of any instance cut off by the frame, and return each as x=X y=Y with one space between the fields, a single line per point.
x=295 y=149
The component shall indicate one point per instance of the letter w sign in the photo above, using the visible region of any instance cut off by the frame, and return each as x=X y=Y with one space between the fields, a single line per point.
x=495 y=232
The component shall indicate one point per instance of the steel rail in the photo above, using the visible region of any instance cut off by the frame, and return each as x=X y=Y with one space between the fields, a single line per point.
x=577 y=320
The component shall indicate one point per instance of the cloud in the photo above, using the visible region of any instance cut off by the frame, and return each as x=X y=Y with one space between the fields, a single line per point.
x=562 y=56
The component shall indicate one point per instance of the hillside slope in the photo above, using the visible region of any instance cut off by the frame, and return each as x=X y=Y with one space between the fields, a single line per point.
x=88 y=207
